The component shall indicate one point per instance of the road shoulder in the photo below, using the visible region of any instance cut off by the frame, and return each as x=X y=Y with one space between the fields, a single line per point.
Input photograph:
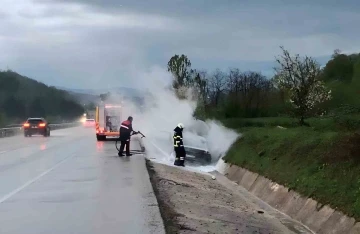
x=167 y=212
x=191 y=202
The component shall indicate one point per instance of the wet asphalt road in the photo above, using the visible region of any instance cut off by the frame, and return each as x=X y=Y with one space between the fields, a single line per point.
x=70 y=183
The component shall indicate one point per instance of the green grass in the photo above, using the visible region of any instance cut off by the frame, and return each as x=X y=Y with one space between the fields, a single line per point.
x=319 y=161
x=338 y=123
x=275 y=121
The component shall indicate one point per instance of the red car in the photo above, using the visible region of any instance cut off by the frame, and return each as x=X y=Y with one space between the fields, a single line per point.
x=89 y=123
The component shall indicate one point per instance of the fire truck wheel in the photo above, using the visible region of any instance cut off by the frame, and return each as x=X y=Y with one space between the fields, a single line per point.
x=100 y=138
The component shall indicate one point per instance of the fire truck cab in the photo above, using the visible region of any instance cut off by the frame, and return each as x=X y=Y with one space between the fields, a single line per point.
x=108 y=118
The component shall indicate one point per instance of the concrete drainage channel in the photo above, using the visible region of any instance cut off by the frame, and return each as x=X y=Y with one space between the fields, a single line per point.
x=320 y=219
x=13 y=131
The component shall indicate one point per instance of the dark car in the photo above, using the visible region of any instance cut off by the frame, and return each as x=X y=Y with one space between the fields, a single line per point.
x=36 y=126
x=197 y=155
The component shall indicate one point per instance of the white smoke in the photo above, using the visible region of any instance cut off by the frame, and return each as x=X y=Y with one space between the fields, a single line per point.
x=161 y=114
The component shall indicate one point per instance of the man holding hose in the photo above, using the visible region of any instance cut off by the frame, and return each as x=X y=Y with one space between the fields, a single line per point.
x=125 y=134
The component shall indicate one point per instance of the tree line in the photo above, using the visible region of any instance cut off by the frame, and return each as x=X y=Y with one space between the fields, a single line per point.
x=22 y=97
x=300 y=88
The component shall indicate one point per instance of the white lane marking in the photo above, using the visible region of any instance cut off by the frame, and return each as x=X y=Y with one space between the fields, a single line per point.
x=1 y=152
x=4 y=198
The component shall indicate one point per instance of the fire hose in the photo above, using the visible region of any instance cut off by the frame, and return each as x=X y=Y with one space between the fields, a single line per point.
x=133 y=133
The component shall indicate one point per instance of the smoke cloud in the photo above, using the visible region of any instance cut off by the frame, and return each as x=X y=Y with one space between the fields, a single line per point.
x=162 y=111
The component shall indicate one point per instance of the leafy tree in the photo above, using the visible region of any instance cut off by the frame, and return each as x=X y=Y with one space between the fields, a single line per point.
x=180 y=68
x=301 y=78
x=340 y=68
x=356 y=73
x=345 y=85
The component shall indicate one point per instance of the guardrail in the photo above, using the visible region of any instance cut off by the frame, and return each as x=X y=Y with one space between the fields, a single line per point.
x=12 y=131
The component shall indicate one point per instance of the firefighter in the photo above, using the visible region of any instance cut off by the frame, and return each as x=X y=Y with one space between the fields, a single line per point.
x=125 y=134
x=179 y=146
x=108 y=123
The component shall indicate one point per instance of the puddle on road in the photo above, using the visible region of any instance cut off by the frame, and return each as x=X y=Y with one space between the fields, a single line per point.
x=43 y=147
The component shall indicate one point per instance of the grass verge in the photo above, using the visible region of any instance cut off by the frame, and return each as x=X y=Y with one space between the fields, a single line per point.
x=317 y=162
x=167 y=213
x=338 y=123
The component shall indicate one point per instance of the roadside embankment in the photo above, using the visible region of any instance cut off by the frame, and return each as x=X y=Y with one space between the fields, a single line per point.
x=192 y=202
x=321 y=219
x=320 y=162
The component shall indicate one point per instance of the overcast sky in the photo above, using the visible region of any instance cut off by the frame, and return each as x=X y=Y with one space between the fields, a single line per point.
x=87 y=43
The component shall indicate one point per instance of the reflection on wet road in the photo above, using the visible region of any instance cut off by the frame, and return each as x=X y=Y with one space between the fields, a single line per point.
x=70 y=183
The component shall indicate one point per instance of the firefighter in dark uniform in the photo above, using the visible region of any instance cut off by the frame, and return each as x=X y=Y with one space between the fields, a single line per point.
x=179 y=146
x=108 y=123
x=125 y=134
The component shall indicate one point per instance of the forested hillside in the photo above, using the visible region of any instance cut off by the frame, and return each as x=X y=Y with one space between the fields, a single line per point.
x=22 y=97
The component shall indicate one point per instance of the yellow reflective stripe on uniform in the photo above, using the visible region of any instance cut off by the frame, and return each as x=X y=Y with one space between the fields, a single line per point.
x=176 y=144
x=179 y=137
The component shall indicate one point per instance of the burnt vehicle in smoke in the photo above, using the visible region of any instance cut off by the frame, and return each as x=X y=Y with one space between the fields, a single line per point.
x=196 y=148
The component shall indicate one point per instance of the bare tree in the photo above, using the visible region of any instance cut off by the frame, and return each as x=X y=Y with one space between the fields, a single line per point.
x=216 y=85
x=233 y=83
x=201 y=86
x=252 y=90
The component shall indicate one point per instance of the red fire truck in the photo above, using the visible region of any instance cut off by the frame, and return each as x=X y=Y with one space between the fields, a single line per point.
x=108 y=118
